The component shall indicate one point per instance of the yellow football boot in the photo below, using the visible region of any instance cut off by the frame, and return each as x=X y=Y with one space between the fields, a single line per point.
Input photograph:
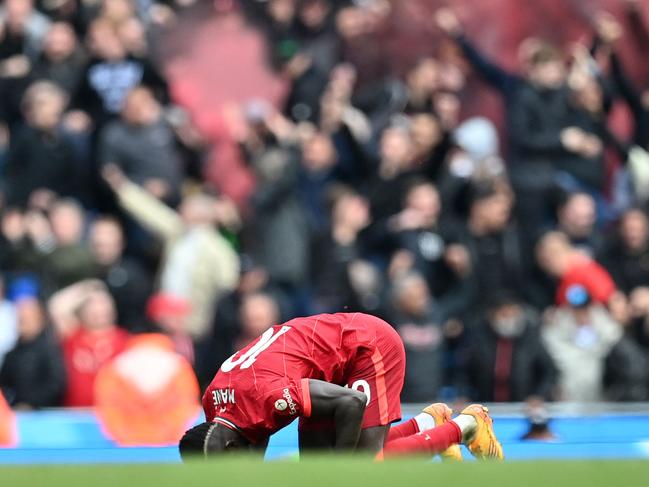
x=441 y=413
x=483 y=443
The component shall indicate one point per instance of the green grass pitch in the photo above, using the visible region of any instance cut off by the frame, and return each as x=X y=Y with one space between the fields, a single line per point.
x=335 y=472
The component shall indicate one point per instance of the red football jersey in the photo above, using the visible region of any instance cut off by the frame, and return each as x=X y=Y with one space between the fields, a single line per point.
x=85 y=352
x=264 y=386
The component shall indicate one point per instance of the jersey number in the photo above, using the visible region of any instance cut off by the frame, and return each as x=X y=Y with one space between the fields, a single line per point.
x=248 y=358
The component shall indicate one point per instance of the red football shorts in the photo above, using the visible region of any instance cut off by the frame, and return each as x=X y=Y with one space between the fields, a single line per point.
x=379 y=374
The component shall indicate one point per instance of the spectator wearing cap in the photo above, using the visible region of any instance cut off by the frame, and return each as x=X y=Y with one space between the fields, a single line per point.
x=507 y=362
x=169 y=313
x=33 y=375
x=594 y=358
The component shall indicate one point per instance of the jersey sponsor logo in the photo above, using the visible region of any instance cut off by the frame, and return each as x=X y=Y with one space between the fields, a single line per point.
x=286 y=403
x=223 y=396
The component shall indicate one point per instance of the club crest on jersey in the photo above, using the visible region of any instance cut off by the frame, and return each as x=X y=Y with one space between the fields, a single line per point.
x=223 y=396
x=287 y=402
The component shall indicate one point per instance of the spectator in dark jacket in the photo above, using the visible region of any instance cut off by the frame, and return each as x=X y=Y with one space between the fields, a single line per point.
x=69 y=260
x=111 y=74
x=62 y=60
x=41 y=155
x=506 y=360
x=493 y=243
x=626 y=254
x=126 y=279
x=576 y=219
x=417 y=229
x=33 y=374
x=548 y=136
x=638 y=102
x=23 y=28
x=340 y=254
x=419 y=322
x=281 y=233
x=143 y=146
x=387 y=186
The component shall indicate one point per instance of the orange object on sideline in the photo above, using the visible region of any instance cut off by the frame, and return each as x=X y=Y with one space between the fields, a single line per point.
x=8 y=435
x=148 y=394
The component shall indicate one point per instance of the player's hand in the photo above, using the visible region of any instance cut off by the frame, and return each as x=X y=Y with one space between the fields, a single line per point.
x=448 y=22
x=113 y=176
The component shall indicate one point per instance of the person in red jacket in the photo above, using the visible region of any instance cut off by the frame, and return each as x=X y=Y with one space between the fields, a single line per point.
x=94 y=343
x=560 y=259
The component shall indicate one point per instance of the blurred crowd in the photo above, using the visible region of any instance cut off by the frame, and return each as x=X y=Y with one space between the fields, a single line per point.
x=513 y=261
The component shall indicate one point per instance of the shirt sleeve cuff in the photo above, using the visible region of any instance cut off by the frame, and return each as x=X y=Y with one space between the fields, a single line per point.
x=306 y=398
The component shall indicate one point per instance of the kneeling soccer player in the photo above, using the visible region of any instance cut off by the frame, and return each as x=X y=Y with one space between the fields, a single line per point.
x=342 y=375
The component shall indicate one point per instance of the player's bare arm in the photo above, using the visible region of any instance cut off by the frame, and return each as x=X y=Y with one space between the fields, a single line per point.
x=344 y=405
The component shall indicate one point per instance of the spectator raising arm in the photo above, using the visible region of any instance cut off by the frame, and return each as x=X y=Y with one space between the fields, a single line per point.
x=499 y=78
x=145 y=208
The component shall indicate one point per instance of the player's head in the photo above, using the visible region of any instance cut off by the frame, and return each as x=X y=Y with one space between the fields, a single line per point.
x=209 y=439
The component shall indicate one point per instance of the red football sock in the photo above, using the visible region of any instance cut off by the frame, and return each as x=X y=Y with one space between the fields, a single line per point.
x=430 y=442
x=402 y=430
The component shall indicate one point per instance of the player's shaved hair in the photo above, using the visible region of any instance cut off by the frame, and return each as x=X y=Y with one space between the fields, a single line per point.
x=195 y=441
x=206 y=439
